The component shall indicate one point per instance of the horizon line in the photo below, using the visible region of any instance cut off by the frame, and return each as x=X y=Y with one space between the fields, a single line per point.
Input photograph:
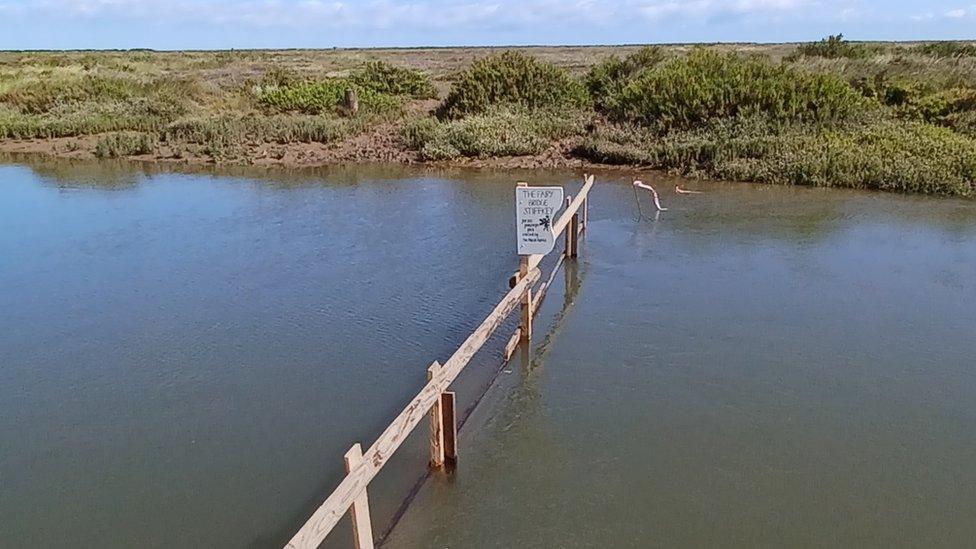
x=460 y=47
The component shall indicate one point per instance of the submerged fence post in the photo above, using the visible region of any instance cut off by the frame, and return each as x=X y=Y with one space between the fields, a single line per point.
x=449 y=427
x=574 y=232
x=586 y=212
x=569 y=238
x=526 y=325
x=436 y=423
x=362 y=527
x=443 y=425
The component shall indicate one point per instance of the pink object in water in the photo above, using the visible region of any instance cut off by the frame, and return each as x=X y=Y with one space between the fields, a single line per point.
x=657 y=200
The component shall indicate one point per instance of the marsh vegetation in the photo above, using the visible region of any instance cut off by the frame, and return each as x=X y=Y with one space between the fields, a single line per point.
x=898 y=117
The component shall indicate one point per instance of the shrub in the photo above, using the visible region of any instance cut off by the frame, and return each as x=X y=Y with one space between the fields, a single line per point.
x=835 y=47
x=605 y=79
x=121 y=145
x=685 y=93
x=946 y=49
x=230 y=137
x=419 y=132
x=887 y=91
x=233 y=131
x=171 y=98
x=885 y=155
x=499 y=133
x=388 y=79
x=486 y=136
x=513 y=79
x=21 y=126
x=961 y=122
x=936 y=106
x=41 y=96
x=278 y=77
x=324 y=97
x=954 y=108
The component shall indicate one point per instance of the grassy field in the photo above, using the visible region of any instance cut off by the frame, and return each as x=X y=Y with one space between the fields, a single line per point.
x=898 y=117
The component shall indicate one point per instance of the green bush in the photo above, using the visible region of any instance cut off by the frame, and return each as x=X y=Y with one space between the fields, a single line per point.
x=73 y=124
x=231 y=137
x=325 y=97
x=606 y=79
x=685 y=93
x=511 y=78
x=122 y=145
x=885 y=155
x=41 y=96
x=936 y=106
x=835 y=47
x=498 y=133
x=961 y=122
x=954 y=108
x=389 y=79
x=231 y=131
x=419 y=132
x=889 y=91
x=946 y=49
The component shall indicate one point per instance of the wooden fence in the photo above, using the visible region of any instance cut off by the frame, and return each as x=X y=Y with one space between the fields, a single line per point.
x=435 y=400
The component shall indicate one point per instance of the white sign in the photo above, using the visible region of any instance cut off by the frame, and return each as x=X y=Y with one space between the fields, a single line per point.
x=535 y=212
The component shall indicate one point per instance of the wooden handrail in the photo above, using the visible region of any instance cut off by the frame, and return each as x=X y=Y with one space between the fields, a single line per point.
x=362 y=468
x=560 y=225
x=324 y=519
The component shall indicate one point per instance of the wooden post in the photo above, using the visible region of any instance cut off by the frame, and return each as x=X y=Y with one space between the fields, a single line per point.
x=449 y=427
x=526 y=325
x=352 y=101
x=351 y=489
x=573 y=234
x=362 y=528
x=586 y=213
x=569 y=239
x=436 y=424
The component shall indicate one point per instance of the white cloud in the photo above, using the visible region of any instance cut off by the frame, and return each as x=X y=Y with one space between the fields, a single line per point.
x=955 y=14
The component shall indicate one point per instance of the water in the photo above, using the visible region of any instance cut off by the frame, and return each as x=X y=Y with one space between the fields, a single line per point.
x=185 y=358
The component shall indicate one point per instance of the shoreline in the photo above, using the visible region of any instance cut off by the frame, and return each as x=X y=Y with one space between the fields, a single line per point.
x=798 y=116
x=378 y=149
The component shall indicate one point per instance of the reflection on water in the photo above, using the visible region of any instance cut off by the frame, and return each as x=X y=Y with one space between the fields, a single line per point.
x=186 y=354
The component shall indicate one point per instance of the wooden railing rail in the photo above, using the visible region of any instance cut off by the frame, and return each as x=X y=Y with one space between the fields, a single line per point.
x=434 y=399
x=572 y=210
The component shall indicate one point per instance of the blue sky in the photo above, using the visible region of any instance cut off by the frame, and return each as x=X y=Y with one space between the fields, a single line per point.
x=206 y=24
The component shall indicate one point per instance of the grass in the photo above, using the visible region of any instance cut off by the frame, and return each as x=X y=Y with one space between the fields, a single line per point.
x=324 y=97
x=835 y=47
x=502 y=132
x=121 y=145
x=947 y=49
x=136 y=100
x=894 y=117
x=230 y=137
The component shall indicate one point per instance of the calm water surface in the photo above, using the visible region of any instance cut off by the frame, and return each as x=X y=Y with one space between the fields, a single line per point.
x=185 y=358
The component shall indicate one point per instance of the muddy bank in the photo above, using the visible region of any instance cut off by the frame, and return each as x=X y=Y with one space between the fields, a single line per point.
x=380 y=144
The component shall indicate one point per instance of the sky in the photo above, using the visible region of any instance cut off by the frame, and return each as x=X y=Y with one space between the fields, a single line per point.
x=225 y=24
